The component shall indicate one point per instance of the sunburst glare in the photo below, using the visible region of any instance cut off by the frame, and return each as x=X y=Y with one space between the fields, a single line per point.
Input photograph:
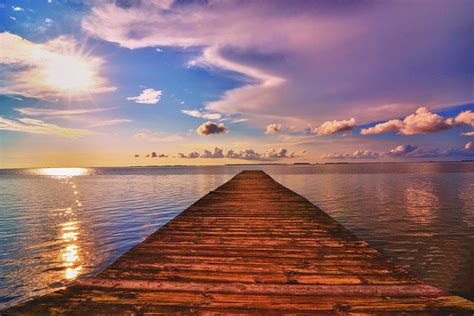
x=72 y=74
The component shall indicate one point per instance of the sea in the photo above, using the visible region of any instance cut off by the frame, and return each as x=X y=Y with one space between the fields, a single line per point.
x=58 y=225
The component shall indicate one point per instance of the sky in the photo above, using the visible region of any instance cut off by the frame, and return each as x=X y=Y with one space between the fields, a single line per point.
x=162 y=82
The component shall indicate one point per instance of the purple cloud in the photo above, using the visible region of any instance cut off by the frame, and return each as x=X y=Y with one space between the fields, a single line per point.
x=407 y=151
x=422 y=122
x=311 y=61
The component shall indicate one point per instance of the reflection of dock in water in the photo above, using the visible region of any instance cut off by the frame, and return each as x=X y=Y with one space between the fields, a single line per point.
x=250 y=246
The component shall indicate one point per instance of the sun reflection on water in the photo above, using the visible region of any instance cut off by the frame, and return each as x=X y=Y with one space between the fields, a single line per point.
x=69 y=229
x=62 y=172
x=70 y=254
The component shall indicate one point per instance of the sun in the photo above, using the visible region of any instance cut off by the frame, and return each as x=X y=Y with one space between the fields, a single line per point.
x=71 y=74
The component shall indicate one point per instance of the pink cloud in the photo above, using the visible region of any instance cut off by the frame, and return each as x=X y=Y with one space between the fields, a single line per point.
x=311 y=61
x=465 y=118
x=273 y=128
x=333 y=127
x=422 y=122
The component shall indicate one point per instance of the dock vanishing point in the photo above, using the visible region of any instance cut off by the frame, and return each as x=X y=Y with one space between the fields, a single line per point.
x=252 y=246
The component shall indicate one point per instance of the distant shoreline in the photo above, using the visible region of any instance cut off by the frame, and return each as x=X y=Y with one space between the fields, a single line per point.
x=259 y=164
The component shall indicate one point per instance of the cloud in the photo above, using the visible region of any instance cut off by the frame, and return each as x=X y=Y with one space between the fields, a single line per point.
x=401 y=150
x=28 y=125
x=408 y=151
x=18 y=9
x=333 y=127
x=210 y=128
x=352 y=60
x=465 y=118
x=468 y=133
x=422 y=122
x=147 y=96
x=246 y=154
x=155 y=155
x=466 y=151
x=57 y=112
x=281 y=153
x=111 y=122
x=386 y=127
x=273 y=128
x=136 y=155
x=203 y=115
x=240 y=120
x=190 y=155
x=358 y=154
x=38 y=70
x=216 y=153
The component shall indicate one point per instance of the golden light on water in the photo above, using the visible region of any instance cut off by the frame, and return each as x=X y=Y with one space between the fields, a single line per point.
x=69 y=230
x=62 y=172
x=70 y=254
x=72 y=273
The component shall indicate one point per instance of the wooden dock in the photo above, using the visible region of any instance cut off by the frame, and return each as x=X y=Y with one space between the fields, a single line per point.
x=251 y=246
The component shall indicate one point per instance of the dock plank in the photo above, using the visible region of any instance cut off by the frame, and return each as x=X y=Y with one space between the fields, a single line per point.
x=251 y=246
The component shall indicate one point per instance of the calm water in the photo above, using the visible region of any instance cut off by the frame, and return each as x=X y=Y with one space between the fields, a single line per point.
x=57 y=225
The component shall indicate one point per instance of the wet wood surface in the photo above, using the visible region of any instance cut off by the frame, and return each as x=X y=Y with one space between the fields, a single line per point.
x=251 y=246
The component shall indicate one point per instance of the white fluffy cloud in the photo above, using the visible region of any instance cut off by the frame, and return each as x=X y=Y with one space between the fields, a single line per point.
x=210 y=128
x=50 y=70
x=32 y=126
x=333 y=127
x=147 y=96
x=422 y=122
x=203 y=115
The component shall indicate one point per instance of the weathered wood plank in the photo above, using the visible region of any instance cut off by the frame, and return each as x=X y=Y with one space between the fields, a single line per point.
x=250 y=247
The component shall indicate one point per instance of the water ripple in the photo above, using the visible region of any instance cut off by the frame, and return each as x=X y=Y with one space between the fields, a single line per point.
x=60 y=225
